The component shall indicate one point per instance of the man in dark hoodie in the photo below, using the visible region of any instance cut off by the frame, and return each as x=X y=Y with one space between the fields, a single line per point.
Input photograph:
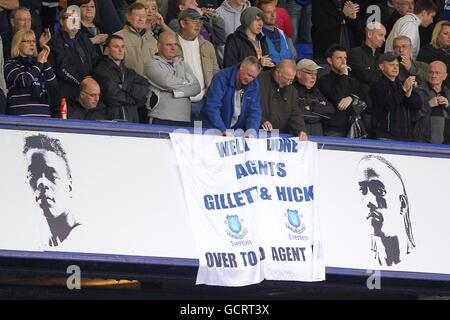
x=124 y=91
x=247 y=40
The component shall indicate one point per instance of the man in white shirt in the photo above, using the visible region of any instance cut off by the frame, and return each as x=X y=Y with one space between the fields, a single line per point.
x=198 y=53
x=424 y=11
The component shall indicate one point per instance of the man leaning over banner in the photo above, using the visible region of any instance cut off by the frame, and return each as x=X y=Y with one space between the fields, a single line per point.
x=279 y=100
x=233 y=98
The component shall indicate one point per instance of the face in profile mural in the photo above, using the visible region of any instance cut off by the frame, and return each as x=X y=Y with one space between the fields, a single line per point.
x=384 y=195
x=51 y=180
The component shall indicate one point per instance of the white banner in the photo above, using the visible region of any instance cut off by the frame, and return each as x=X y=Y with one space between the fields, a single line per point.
x=252 y=206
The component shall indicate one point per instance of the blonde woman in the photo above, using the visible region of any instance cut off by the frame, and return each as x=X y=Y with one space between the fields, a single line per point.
x=29 y=77
x=439 y=47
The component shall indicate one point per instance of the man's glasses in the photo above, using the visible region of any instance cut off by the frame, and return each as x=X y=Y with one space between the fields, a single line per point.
x=92 y=95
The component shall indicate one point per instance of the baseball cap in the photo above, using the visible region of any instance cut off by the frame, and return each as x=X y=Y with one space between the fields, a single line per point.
x=190 y=14
x=387 y=56
x=307 y=65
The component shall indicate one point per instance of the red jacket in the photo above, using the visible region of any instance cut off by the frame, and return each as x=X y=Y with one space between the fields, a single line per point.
x=284 y=22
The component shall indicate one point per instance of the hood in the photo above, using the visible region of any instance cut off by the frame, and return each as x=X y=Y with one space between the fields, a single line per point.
x=226 y=6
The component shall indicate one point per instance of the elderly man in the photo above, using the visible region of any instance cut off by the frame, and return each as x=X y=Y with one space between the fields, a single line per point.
x=140 y=45
x=313 y=104
x=279 y=101
x=233 y=99
x=88 y=105
x=394 y=102
x=435 y=102
x=198 y=53
x=174 y=83
x=408 y=65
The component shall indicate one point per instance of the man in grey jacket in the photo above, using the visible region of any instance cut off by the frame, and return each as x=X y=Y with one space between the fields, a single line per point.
x=173 y=81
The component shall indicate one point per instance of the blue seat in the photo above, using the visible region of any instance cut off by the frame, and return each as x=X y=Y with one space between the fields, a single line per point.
x=304 y=50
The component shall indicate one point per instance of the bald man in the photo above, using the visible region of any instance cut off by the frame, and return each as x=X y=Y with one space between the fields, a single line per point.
x=363 y=62
x=279 y=100
x=431 y=120
x=174 y=83
x=88 y=105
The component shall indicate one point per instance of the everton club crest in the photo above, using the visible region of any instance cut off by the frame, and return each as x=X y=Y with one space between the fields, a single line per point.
x=295 y=221
x=235 y=229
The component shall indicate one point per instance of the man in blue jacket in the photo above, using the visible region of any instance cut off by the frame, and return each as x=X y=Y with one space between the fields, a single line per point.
x=232 y=101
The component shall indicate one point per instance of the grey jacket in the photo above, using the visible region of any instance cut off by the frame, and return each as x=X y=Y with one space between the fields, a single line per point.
x=173 y=85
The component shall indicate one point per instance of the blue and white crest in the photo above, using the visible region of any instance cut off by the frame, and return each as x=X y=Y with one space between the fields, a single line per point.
x=293 y=218
x=295 y=221
x=234 y=224
x=235 y=229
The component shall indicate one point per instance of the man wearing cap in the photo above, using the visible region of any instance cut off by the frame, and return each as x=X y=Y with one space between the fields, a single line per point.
x=394 y=103
x=247 y=40
x=313 y=104
x=339 y=88
x=198 y=53
x=279 y=101
x=212 y=25
x=233 y=99
x=279 y=45
x=363 y=61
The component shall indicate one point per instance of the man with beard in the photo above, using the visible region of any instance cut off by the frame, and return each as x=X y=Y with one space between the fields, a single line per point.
x=385 y=196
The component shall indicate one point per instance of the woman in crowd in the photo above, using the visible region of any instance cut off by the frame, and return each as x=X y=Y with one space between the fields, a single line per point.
x=88 y=10
x=29 y=77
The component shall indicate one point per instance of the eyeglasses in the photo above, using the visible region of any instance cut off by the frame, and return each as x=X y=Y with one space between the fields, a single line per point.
x=29 y=41
x=92 y=95
x=288 y=80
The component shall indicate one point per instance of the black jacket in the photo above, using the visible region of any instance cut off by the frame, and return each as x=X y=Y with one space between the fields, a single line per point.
x=335 y=87
x=315 y=108
x=364 y=64
x=72 y=61
x=429 y=54
x=326 y=21
x=392 y=110
x=123 y=90
x=238 y=47
x=76 y=111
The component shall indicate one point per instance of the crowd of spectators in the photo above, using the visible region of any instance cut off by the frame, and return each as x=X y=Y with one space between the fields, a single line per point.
x=379 y=66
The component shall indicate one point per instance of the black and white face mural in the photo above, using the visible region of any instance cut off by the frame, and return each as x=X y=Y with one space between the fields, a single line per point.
x=384 y=195
x=50 y=178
